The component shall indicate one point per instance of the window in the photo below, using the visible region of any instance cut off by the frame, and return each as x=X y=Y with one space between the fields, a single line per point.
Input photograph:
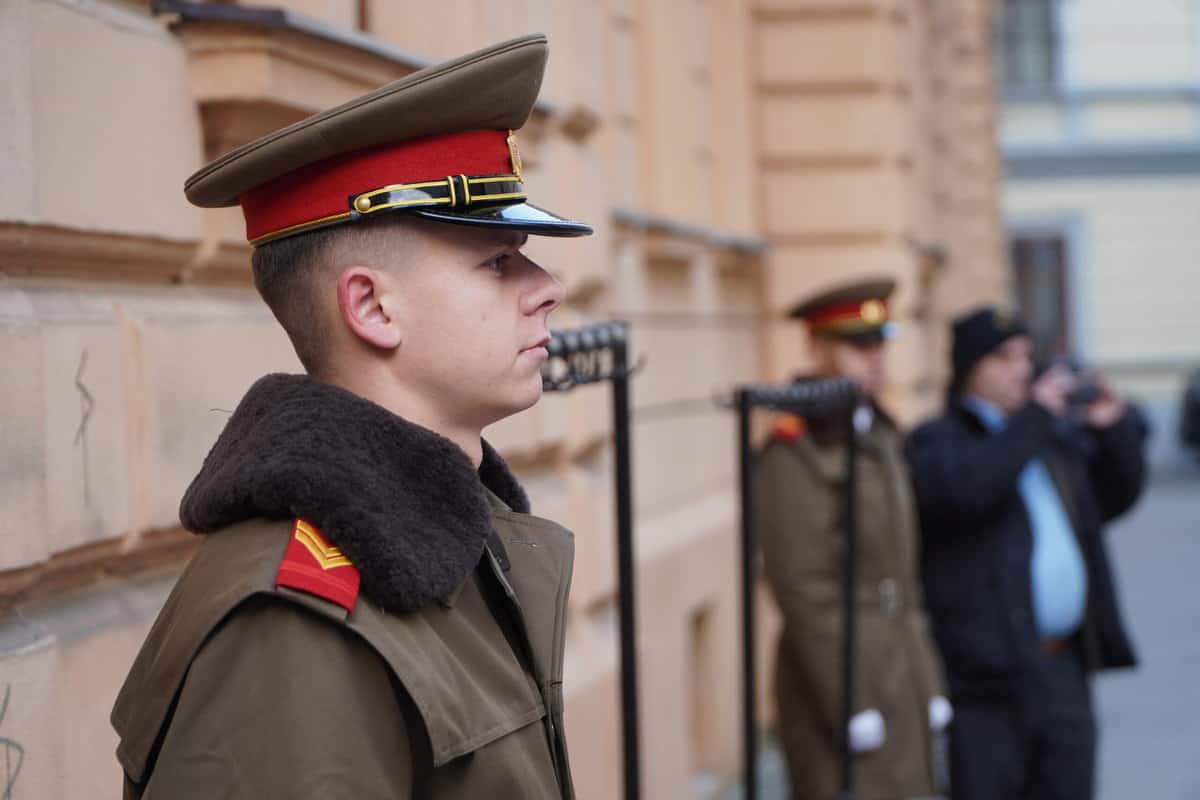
x=1039 y=264
x=1027 y=49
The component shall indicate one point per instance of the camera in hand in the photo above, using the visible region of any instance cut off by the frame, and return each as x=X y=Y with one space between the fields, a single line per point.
x=1084 y=394
x=1086 y=390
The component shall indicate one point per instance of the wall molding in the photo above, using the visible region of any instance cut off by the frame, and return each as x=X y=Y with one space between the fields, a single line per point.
x=655 y=223
x=1099 y=94
x=858 y=87
x=84 y=567
x=1102 y=161
x=214 y=19
x=853 y=11
x=29 y=250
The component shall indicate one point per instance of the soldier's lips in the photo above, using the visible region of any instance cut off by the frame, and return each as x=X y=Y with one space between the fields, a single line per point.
x=539 y=350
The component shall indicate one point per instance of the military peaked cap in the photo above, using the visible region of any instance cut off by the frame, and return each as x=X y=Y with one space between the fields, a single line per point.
x=439 y=143
x=858 y=311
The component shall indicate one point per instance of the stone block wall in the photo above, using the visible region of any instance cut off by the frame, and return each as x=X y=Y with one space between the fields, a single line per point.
x=732 y=155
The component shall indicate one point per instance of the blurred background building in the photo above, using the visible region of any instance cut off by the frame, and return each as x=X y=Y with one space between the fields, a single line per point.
x=732 y=155
x=1101 y=142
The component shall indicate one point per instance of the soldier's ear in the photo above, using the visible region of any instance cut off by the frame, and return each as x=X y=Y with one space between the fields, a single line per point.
x=364 y=307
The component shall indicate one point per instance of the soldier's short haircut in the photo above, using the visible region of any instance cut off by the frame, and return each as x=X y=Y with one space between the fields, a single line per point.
x=291 y=273
x=286 y=274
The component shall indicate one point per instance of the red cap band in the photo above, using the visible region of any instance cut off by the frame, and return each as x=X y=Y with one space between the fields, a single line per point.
x=871 y=312
x=322 y=190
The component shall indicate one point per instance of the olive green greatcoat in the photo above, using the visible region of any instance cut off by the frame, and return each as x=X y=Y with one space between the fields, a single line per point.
x=440 y=679
x=245 y=690
x=799 y=479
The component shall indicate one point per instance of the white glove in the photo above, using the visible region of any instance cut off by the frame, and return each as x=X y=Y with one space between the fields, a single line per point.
x=867 y=731
x=940 y=713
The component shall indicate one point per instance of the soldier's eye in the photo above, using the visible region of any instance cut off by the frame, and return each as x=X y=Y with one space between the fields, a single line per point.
x=498 y=263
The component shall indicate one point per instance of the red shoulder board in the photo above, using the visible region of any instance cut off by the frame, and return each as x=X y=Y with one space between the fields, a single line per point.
x=313 y=565
x=789 y=428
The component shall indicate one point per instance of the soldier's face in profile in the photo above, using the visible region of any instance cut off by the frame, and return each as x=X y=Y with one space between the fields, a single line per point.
x=472 y=311
x=860 y=361
x=1002 y=376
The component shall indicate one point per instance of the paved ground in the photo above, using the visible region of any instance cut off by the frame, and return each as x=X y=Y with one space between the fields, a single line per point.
x=1150 y=717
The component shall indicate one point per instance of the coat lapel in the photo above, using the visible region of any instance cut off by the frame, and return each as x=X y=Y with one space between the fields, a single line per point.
x=540 y=555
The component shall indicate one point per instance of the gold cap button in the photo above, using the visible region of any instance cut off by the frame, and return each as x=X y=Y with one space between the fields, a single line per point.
x=362 y=204
x=873 y=311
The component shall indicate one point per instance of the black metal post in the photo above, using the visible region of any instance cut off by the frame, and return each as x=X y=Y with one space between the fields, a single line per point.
x=849 y=606
x=806 y=398
x=626 y=572
x=749 y=717
x=577 y=359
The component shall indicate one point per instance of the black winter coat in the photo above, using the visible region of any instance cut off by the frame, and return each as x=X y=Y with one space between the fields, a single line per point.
x=977 y=540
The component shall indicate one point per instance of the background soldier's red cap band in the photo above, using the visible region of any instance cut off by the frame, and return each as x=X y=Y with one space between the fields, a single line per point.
x=871 y=312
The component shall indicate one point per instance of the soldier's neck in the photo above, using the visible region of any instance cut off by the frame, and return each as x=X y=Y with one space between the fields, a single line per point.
x=418 y=410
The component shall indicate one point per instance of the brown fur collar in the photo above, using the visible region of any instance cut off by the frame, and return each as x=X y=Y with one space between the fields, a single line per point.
x=403 y=503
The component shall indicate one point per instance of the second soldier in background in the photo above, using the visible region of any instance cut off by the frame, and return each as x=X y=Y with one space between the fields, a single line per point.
x=898 y=697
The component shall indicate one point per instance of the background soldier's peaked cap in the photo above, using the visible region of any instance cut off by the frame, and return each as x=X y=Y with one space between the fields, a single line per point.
x=437 y=143
x=851 y=310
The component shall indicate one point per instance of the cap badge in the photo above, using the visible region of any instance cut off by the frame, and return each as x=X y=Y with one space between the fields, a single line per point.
x=874 y=312
x=514 y=154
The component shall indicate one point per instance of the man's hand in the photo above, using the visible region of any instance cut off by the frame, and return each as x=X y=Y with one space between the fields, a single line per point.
x=867 y=731
x=1050 y=391
x=1107 y=409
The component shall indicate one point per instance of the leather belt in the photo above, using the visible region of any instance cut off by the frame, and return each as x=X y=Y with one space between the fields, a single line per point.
x=1055 y=647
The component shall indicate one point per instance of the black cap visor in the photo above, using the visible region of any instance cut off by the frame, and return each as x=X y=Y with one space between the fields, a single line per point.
x=867 y=336
x=518 y=216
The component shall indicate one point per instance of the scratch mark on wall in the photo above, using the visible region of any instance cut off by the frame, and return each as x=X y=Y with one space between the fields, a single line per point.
x=14 y=753
x=87 y=403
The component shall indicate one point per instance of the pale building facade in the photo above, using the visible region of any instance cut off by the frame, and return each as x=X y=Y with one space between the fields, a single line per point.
x=1101 y=140
x=732 y=156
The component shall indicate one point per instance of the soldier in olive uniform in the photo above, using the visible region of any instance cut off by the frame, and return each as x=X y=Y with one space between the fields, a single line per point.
x=373 y=613
x=899 y=702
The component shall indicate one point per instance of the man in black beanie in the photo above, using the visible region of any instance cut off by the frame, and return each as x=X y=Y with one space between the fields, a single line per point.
x=1014 y=483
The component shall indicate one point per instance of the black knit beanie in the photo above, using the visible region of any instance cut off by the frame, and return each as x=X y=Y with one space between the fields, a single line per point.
x=977 y=334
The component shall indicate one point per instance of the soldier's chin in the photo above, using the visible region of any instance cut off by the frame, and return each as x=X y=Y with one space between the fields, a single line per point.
x=523 y=396
x=532 y=393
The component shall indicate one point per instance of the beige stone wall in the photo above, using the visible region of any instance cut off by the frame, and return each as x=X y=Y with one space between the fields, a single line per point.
x=877 y=155
x=731 y=155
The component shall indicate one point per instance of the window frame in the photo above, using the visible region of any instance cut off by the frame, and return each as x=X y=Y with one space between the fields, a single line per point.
x=1008 y=43
x=1071 y=225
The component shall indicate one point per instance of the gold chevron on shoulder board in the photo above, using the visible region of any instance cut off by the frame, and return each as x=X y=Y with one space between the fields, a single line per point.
x=325 y=554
